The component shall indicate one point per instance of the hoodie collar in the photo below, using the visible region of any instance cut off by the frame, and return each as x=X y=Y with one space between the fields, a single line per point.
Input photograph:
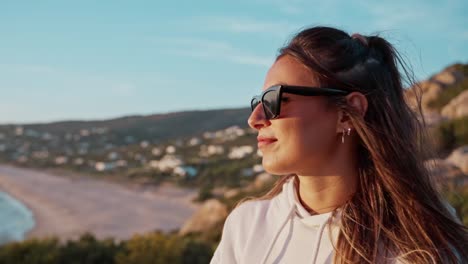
x=285 y=207
x=291 y=194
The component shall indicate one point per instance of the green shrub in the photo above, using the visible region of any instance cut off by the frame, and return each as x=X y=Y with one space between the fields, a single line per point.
x=196 y=252
x=462 y=68
x=32 y=251
x=88 y=250
x=448 y=94
x=458 y=198
x=151 y=248
x=204 y=193
x=159 y=248
x=451 y=134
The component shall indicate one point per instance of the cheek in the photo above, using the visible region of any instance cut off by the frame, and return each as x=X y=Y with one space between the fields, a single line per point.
x=310 y=139
x=307 y=137
x=302 y=143
x=313 y=137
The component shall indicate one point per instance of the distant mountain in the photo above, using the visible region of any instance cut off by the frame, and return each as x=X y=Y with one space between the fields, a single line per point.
x=157 y=127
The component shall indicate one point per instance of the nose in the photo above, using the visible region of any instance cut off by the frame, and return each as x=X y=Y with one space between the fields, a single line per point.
x=257 y=119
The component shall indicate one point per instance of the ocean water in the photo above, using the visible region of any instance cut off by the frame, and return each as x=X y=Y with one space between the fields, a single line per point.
x=15 y=219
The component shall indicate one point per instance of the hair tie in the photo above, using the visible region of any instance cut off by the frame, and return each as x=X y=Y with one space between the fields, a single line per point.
x=361 y=39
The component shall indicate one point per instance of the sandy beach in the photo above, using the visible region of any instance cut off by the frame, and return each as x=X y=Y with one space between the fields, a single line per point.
x=67 y=207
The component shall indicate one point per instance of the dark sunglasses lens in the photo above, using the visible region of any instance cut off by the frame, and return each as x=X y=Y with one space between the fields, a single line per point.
x=270 y=105
x=255 y=101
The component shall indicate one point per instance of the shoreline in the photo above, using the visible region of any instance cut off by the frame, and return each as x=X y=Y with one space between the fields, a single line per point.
x=67 y=207
x=14 y=230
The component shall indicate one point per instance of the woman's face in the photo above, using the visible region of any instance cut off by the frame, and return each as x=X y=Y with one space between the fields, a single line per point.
x=304 y=136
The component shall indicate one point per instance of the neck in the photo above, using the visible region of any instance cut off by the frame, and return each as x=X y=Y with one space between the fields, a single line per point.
x=323 y=194
x=324 y=190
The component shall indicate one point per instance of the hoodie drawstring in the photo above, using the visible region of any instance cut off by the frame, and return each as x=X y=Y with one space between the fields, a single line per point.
x=316 y=247
x=317 y=242
x=292 y=211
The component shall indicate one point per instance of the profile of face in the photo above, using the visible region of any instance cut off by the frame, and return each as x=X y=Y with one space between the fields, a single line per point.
x=305 y=135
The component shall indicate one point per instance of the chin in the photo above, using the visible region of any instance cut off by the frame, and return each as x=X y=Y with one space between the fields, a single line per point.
x=275 y=167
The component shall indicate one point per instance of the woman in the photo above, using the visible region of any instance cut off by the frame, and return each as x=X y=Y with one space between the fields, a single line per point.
x=333 y=120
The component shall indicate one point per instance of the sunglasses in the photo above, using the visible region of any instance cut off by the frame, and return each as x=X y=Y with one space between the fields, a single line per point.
x=271 y=97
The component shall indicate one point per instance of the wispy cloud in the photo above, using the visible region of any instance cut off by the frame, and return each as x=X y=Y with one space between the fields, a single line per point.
x=29 y=68
x=401 y=14
x=196 y=43
x=9 y=111
x=239 y=25
x=212 y=50
x=243 y=59
x=39 y=79
x=291 y=7
x=389 y=16
x=249 y=25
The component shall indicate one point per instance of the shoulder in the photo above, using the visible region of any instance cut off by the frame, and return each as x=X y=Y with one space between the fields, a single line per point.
x=252 y=206
x=266 y=208
x=249 y=218
x=248 y=211
x=249 y=226
x=240 y=226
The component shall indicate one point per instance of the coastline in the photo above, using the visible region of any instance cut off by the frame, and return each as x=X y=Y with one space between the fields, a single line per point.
x=68 y=207
x=19 y=219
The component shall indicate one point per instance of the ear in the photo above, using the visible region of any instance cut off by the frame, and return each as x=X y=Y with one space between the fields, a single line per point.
x=355 y=100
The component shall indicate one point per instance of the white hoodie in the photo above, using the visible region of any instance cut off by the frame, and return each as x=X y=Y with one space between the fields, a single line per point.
x=279 y=230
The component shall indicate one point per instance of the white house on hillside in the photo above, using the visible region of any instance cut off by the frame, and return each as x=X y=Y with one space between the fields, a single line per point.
x=167 y=163
x=240 y=152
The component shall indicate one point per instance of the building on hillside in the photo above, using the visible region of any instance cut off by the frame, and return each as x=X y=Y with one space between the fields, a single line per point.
x=156 y=151
x=240 y=152
x=104 y=166
x=185 y=171
x=170 y=149
x=167 y=163
x=60 y=160
x=194 y=141
x=210 y=150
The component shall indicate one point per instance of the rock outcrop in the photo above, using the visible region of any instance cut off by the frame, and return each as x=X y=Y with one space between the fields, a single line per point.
x=449 y=76
x=445 y=173
x=459 y=158
x=210 y=214
x=457 y=107
x=262 y=180
x=431 y=89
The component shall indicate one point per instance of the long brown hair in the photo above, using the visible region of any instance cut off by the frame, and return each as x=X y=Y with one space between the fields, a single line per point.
x=396 y=211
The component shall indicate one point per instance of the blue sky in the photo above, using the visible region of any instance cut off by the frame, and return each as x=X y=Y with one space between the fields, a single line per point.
x=87 y=60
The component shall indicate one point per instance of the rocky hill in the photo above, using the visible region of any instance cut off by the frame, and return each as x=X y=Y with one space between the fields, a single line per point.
x=444 y=95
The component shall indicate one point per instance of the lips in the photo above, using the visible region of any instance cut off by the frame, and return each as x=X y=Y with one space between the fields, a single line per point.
x=265 y=141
